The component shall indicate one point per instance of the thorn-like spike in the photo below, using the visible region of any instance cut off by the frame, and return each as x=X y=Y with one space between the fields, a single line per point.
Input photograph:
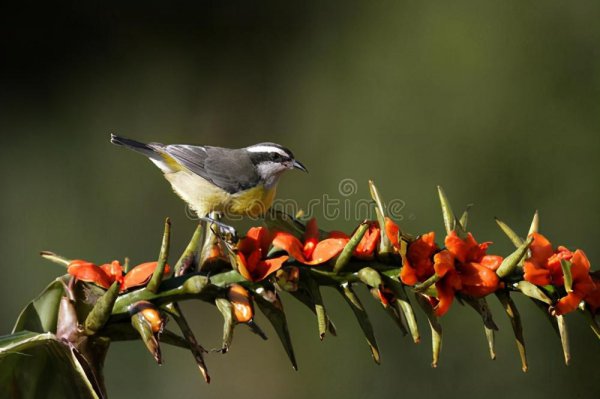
x=464 y=219
x=535 y=223
x=451 y=223
x=52 y=257
x=564 y=338
x=514 y=237
x=515 y=320
x=509 y=263
x=159 y=271
x=362 y=317
x=436 y=328
x=344 y=257
x=189 y=258
x=101 y=311
x=196 y=349
x=276 y=316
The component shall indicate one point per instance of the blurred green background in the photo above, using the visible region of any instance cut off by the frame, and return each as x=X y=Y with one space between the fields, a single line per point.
x=496 y=101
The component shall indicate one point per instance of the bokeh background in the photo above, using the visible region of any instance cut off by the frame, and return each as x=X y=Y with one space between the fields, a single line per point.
x=496 y=101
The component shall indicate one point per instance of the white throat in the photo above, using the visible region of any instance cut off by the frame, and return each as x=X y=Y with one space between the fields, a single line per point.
x=270 y=172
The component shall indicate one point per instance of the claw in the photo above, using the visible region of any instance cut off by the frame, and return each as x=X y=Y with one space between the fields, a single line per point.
x=224 y=231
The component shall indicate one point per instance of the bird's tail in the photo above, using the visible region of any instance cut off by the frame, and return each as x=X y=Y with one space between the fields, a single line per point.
x=135 y=146
x=153 y=151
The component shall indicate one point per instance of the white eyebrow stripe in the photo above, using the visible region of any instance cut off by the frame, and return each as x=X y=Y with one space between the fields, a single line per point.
x=267 y=148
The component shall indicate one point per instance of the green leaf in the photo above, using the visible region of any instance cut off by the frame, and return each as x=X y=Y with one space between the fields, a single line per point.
x=197 y=350
x=515 y=320
x=304 y=297
x=41 y=366
x=276 y=316
x=514 y=237
x=370 y=277
x=568 y=276
x=591 y=319
x=41 y=314
x=404 y=304
x=312 y=288
x=436 y=328
x=532 y=291
x=560 y=327
x=145 y=330
x=226 y=309
x=396 y=315
x=362 y=317
x=543 y=307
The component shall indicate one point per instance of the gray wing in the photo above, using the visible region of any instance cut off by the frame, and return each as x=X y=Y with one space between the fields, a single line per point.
x=231 y=170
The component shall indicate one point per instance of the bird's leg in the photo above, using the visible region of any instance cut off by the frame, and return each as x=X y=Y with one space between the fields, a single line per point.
x=225 y=231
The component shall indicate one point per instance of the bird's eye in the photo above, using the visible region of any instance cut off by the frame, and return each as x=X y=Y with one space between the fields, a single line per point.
x=276 y=157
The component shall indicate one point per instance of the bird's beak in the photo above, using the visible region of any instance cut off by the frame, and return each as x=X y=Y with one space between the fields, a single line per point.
x=298 y=165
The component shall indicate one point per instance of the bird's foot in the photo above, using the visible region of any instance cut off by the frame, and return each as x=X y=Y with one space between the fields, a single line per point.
x=220 y=229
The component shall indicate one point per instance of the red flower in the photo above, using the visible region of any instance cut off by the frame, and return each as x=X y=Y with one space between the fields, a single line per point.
x=450 y=281
x=582 y=284
x=105 y=275
x=477 y=270
x=251 y=253
x=543 y=267
x=367 y=247
x=462 y=267
x=418 y=265
x=310 y=250
x=392 y=232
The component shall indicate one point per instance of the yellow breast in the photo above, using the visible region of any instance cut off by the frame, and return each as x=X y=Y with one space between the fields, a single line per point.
x=253 y=202
x=204 y=197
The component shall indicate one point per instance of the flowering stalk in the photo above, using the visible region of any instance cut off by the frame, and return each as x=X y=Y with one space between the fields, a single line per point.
x=93 y=305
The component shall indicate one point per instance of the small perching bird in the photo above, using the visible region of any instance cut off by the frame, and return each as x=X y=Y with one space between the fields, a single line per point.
x=213 y=179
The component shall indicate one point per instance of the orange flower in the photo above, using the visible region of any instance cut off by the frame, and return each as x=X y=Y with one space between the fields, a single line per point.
x=475 y=267
x=105 y=275
x=593 y=298
x=418 y=265
x=367 y=246
x=310 y=250
x=582 y=284
x=251 y=253
x=543 y=267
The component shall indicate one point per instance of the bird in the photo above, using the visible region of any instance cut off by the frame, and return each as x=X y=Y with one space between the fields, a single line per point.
x=219 y=180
